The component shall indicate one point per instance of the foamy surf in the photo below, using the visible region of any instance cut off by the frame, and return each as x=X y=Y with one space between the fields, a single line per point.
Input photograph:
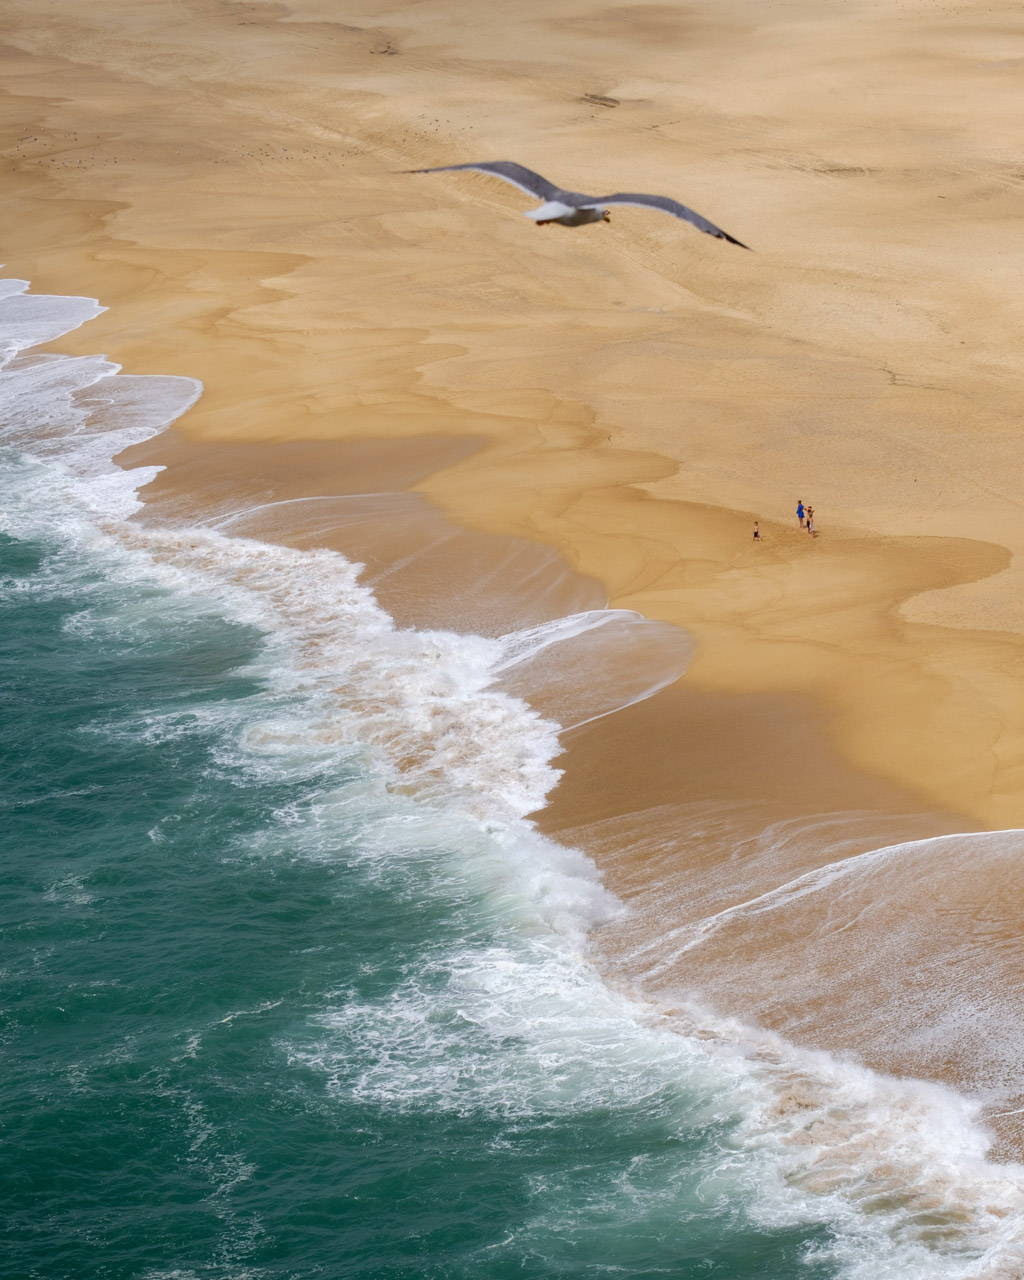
x=520 y=1022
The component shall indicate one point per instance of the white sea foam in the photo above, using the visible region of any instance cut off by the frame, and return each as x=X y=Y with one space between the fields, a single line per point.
x=29 y=319
x=524 y=1028
x=525 y=1025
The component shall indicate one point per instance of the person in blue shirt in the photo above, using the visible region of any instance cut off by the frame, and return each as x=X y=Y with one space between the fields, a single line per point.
x=800 y=512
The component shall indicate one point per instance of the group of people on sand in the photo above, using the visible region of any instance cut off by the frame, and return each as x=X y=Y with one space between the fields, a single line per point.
x=804 y=514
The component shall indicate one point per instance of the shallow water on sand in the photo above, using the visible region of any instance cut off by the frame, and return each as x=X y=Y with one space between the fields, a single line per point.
x=294 y=988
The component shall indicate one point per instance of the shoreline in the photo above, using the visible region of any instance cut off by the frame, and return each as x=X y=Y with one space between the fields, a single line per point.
x=688 y=801
x=627 y=400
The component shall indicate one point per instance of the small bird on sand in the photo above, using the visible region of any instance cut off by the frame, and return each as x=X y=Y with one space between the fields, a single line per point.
x=572 y=208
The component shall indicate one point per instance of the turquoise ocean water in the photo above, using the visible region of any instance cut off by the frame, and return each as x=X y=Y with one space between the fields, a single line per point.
x=290 y=986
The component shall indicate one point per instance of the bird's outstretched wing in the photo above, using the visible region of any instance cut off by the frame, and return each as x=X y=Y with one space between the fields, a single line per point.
x=667 y=206
x=519 y=176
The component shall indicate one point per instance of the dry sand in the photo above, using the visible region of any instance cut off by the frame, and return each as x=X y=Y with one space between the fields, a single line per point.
x=225 y=177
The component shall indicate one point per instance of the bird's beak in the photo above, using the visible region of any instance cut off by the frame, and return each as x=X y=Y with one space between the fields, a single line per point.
x=607 y=216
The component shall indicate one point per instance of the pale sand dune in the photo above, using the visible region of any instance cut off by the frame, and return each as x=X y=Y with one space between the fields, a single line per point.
x=224 y=176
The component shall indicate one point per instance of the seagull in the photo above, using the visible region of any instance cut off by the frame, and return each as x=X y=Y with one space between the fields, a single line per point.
x=572 y=208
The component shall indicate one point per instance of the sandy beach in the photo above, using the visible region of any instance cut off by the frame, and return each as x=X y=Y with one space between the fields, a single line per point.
x=227 y=179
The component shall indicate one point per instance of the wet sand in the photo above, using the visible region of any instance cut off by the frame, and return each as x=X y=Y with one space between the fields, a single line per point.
x=225 y=178
x=909 y=963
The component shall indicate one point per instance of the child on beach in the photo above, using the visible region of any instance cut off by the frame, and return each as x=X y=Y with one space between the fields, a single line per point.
x=800 y=512
x=757 y=532
x=810 y=522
